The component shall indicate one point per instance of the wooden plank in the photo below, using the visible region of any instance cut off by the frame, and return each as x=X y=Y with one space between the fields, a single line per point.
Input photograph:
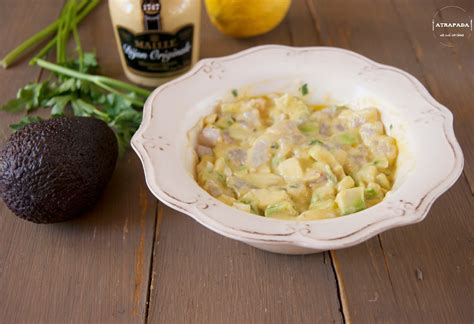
x=12 y=31
x=464 y=53
x=304 y=30
x=445 y=277
x=11 y=80
x=420 y=273
x=431 y=263
x=202 y=277
x=93 y=269
x=448 y=71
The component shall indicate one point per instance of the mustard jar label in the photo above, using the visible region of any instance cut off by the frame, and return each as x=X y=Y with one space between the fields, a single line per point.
x=157 y=52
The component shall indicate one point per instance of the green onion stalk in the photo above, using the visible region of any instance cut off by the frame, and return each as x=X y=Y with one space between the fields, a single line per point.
x=135 y=94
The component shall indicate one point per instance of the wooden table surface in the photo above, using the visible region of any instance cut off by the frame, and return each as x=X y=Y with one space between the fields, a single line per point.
x=134 y=260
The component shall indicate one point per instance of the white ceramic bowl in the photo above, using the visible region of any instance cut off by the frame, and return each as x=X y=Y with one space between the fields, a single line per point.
x=430 y=159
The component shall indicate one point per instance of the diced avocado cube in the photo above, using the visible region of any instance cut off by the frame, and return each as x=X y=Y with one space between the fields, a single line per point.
x=384 y=146
x=308 y=127
x=281 y=209
x=321 y=154
x=373 y=191
x=297 y=190
x=324 y=204
x=231 y=107
x=332 y=176
x=381 y=163
x=226 y=199
x=261 y=198
x=294 y=107
x=322 y=193
x=219 y=165
x=244 y=207
x=210 y=119
x=366 y=174
x=263 y=180
x=383 y=181
x=206 y=164
x=349 y=138
x=291 y=170
x=370 y=193
x=276 y=160
x=215 y=188
x=249 y=199
x=238 y=132
x=324 y=209
x=351 y=200
x=224 y=122
x=346 y=183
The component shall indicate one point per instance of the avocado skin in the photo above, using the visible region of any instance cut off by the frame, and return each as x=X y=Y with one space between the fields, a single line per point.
x=54 y=170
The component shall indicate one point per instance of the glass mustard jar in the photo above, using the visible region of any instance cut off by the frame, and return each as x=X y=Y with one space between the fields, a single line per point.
x=157 y=39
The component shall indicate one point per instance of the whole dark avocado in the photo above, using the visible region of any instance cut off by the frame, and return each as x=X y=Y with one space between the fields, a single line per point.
x=56 y=169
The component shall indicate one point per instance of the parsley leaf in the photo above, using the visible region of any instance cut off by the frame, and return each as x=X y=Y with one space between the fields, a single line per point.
x=82 y=96
x=58 y=104
x=25 y=120
x=304 y=89
x=15 y=105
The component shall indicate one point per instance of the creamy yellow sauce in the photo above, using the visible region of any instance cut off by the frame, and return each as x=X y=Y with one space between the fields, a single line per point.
x=278 y=157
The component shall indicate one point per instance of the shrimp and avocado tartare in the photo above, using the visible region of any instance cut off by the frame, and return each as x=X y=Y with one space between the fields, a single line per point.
x=278 y=157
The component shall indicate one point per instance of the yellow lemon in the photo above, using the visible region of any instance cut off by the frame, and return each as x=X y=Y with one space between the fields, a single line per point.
x=245 y=18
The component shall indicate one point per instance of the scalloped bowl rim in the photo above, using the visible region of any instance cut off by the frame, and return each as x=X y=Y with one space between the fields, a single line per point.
x=293 y=236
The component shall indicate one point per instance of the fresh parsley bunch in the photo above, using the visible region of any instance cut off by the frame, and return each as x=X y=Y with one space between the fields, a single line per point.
x=73 y=91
